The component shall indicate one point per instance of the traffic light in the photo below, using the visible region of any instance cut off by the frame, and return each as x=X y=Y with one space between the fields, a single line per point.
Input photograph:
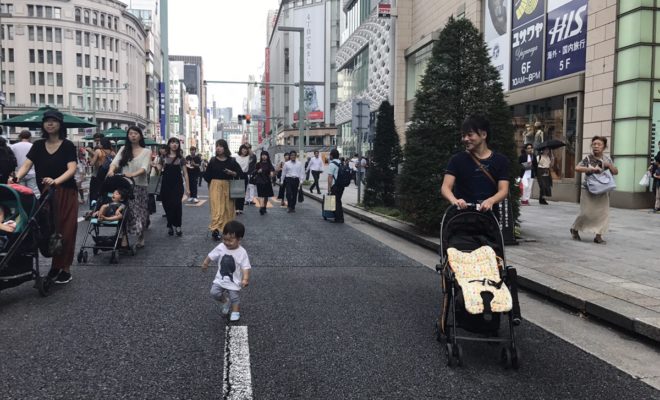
x=240 y=118
x=247 y=119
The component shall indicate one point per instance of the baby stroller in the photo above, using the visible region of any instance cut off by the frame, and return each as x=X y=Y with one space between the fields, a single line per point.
x=106 y=235
x=478 y=286
x=19 y=255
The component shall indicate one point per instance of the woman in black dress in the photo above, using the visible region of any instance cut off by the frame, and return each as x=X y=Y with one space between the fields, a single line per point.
x=173 y=176
x=264 y=171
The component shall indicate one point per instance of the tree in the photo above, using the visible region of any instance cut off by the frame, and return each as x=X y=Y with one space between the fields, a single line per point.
x=381 y=175
x=459 y=81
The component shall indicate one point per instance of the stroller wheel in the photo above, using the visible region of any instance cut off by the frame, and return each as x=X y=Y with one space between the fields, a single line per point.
x=80 y=256
x=450 y=355
x=43 y=285
x=113 y=258
x=505 y=357
x=515 y=358
x=85 y=256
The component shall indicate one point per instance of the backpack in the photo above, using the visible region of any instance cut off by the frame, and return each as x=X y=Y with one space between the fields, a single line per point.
x=343 y=175
x=105 y=167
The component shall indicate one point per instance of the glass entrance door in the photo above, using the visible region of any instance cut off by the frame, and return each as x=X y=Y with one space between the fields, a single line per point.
x=572 y=135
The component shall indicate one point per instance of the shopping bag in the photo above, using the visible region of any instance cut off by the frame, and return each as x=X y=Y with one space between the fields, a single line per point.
x=237 y=189
x=154 y=185
x=329 y=203
x=646 y=179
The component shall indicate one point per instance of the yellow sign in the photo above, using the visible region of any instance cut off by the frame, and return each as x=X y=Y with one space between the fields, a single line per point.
x=525 y=7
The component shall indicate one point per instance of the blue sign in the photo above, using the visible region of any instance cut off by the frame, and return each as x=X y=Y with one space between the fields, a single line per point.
x=527 y=36
x=566 y=39
x=161 y=108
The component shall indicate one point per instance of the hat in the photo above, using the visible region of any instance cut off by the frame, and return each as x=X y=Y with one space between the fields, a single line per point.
x=53 y=114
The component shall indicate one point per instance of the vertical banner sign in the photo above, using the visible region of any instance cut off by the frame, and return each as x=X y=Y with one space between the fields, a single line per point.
x=527 y=35
x=267 y=91
x=497 y=34
x=312 y=19
x=161 y=109
x=566 y=38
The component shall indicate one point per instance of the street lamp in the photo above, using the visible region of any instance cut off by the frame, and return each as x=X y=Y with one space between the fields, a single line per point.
x=301 y=87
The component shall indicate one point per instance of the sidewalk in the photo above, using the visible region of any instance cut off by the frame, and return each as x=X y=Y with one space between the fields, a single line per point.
x=618 y=282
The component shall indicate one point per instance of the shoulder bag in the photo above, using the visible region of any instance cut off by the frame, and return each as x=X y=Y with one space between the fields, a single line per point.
x=237 y=189
x=599 y=183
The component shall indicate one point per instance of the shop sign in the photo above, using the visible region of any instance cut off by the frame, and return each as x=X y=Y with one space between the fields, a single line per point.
x=527 y=36
x=497 y=33
x=161 y=102
x=566 y=39
x=384 y=9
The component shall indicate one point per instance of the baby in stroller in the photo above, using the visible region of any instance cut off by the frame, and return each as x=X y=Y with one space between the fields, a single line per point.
x=8 y=226
x=114 y=210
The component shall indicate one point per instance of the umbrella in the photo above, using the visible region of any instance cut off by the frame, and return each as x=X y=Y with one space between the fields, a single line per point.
x=148 y=142
x=551 y=144
x=112 y=134
x=33 y=120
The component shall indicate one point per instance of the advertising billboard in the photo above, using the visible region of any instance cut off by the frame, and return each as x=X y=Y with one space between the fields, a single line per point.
x=527 y=37
x=566 y=37
x=161 y=109
x=312 y=20
x=497 y=33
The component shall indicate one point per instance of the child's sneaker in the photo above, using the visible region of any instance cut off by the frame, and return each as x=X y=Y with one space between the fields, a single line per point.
x=225 y=307
x=235 y=316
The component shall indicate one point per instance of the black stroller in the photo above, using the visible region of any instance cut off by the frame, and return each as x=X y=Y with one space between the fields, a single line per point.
x=107 y=235
x=19 y=256
x=478 y=286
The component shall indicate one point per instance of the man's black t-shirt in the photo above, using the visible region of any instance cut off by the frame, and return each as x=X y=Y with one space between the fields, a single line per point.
x=472 y=185
x=194 y=159
x=52 y=165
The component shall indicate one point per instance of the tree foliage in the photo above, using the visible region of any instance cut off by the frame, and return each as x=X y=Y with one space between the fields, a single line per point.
x=381 y=174
x=459 y=81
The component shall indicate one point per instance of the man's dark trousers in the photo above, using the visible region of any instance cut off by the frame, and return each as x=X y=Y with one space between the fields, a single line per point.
x=316 y=175
x=193 y=177
x=338 y=191
x=291 y=191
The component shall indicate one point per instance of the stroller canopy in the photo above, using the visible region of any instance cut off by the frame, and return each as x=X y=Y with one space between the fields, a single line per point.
x=19 y=203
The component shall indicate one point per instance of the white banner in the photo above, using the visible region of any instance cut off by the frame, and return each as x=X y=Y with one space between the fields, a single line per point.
x=497 y=33
x=312 y=19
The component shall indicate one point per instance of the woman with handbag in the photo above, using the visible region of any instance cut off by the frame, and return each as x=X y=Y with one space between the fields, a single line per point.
x=221 y=169
x=263 y=174
x=54 y=159
x=173 y=178
x=133 y=160
x=243 y=159
x=595 y=202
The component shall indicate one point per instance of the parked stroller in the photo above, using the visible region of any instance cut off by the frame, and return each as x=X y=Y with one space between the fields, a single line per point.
x=106 y=235
x=19 y=253
x=478 y=286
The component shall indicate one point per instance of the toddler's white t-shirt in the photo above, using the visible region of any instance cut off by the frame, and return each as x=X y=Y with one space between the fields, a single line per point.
x=231 y=264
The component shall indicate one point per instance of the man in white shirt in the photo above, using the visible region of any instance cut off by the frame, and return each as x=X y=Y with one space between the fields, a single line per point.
x=293 y=174
x=20 y=150
x=315 y=166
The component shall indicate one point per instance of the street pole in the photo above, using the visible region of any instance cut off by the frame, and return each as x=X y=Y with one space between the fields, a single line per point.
x=301 y=86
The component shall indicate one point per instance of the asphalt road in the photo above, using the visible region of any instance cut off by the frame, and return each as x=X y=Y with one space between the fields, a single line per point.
x=331 y=313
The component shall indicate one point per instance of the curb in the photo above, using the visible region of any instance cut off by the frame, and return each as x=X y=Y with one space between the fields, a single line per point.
x=615 y=314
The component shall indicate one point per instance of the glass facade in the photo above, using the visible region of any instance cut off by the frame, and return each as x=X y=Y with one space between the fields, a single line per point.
x=353 y=77
x=415 y=67
x=357 y=13
x=636 y=82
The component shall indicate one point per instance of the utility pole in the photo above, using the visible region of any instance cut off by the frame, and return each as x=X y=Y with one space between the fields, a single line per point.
x=359 y=123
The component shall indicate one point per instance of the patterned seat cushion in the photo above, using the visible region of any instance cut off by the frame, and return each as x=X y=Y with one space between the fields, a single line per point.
x=476 y=272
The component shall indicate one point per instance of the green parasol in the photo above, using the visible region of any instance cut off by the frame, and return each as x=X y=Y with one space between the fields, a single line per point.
x=33 y=120
x=114 y=133
x=148 y=142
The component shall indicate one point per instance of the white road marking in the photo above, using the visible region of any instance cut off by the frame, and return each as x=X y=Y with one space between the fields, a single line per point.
x=236 y=376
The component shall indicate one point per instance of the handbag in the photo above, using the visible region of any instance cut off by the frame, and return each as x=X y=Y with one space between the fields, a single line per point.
x=329 y=203
x=646 y=179
x=237 y=189
x=599 y=183
x=301 y=196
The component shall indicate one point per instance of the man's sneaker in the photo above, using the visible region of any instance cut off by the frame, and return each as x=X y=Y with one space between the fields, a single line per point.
x=63 y=277
x=194 y=200
x=235 y=316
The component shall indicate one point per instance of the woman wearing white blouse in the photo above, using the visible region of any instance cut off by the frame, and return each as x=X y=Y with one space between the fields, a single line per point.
x=133 y=159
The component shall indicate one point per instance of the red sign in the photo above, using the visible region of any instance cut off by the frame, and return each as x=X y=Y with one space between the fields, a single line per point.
x=311 y=116
x=384 y=10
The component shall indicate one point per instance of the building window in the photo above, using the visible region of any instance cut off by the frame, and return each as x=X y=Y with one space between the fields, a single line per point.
x=51 y=99
x=57 y=13
x=31 y=33
x=353 y=78
x=88 y=81
x=78 y=60
x=12 y=99
x=95 y=18
x=78 y=38
x=79 y=101
x=10 y=55
x=33 y=99
x=58 y=79
x=103 y=20
x=77 y=12
x=49 y=11
x=33 y=78
x=103 y=42
x=42 y=99
x=30 y=10
x=86 y=38
x=415 y=68
x=31 y=55
x=103 y=63
x=79 y=81
x=111 y=66
x=49 y=35
x=42 y=78
x=87 y=61
x=40 y=11
x=40 y=33
x=58 y=35
x=40 y=56
x=49 y=56
x=50 y=79
x=12 y=78
x=6 y=8
x=58 y=57
x=10 y=32
x=86 y=16
x=96 y=62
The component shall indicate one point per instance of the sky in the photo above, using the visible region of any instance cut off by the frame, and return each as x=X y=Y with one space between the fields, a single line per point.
x=230 y=36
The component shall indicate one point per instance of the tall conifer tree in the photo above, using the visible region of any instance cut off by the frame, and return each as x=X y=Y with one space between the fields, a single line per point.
x=385 y=160
x=459 y=81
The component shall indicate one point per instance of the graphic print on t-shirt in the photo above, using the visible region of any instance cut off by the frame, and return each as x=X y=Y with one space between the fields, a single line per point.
x=227 y=267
